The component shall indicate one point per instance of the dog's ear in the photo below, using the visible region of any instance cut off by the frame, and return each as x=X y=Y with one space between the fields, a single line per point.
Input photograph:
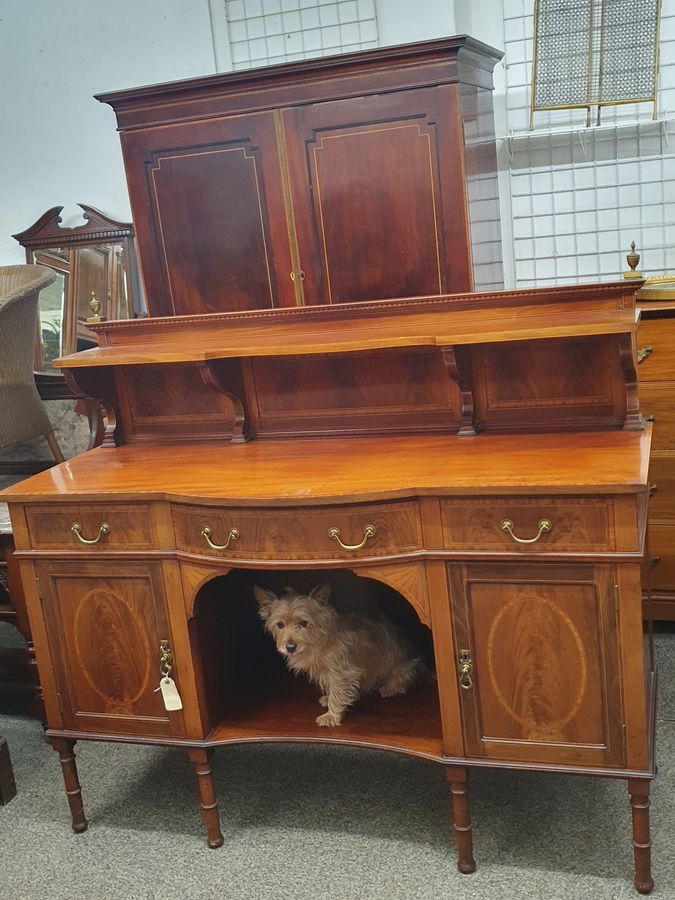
x=321 y=592
x=265 y=600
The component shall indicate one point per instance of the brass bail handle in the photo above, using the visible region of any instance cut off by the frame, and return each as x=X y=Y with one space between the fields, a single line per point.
x=76 y=529
x=233 y=535
x=165 y=659
x=465 y=670
x=544 y=525
x=368 y=532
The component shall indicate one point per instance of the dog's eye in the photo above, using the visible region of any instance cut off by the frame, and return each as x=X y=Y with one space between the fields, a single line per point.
x=303 y=623
x=280 y=624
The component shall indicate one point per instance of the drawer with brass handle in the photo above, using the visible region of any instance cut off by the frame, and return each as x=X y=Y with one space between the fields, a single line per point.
x=656 y=349
x=336 y=532
x=91 y=527
x=529 y=524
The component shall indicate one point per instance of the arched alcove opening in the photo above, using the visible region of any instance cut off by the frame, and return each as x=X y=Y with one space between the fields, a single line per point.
x=250 y=694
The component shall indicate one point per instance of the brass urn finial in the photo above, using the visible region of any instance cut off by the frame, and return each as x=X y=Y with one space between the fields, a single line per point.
x=95 y=307
x=632 y=259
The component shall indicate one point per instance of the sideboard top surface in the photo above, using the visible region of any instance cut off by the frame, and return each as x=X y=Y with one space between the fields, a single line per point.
x=300 y=472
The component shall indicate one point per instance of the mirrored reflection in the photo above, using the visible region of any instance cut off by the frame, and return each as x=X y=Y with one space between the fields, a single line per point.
x=97 y=279
x=91 y=279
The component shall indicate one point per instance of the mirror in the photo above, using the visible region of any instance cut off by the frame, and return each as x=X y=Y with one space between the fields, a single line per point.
x=97 y=274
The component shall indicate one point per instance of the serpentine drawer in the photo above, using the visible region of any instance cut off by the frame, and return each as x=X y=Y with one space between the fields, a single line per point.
x=369 y=529
x=91 y=527
x=530 y=524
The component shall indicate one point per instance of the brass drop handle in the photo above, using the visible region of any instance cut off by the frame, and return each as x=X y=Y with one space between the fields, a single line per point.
x=165 y=659
x=76 y=529
x=644 y=353
x=300 y=275
x=233 y=535
x=368 y=532
x=544 y=525
x=465 y=670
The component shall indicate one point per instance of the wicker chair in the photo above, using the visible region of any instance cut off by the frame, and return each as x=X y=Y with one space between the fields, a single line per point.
x=22 y=414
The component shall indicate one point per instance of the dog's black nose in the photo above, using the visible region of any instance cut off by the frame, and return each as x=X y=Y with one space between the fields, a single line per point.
x=291 y=647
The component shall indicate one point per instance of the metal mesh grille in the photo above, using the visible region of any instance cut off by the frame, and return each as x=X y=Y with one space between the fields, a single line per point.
x=628 y=50
x=594 y=52
x=561 y=67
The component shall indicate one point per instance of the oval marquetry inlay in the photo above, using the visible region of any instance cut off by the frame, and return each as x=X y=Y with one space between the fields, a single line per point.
x=112 y=648
x=537 y=666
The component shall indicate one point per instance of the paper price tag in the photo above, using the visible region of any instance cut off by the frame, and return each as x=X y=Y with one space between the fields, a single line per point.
x=170 y=694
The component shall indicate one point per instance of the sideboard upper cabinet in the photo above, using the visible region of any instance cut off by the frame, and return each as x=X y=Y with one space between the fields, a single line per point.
x=366 y=176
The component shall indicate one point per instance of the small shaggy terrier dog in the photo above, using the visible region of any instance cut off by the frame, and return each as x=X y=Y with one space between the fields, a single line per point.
x=346 y=652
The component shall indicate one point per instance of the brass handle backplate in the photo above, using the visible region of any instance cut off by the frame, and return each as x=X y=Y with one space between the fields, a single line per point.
x=233 y=535
x=298 y=275
x=465 y=670
x=644 y=353
x=368 y=532
x=544 y=525
x=76 y=529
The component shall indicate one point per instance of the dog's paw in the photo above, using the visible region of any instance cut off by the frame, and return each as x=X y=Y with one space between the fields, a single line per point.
x=330 y=720
x=323 y=701
x=390 y=691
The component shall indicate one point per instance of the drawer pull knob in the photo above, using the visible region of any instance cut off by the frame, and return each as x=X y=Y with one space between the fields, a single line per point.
x=76 y=529
x=644 y=353
x=465 y=670
x=233 y=535
x=544 y=525
x=368 y=532
x=652 y=489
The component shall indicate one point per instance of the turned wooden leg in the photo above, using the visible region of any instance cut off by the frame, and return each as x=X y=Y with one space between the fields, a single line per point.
x=7 y=784
x=461 y=817
x=65 y=749
x=638 y=788
x=201 y=761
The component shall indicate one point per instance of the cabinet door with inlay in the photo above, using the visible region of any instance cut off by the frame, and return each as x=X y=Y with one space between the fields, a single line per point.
x=538 y=662
x=105 y=622
x=209 y=212
x=377 y=186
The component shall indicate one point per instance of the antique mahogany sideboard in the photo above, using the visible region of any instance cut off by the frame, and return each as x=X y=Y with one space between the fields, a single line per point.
x=478 y=462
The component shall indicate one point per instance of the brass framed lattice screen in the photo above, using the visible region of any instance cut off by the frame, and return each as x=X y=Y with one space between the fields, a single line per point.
x=594 y=53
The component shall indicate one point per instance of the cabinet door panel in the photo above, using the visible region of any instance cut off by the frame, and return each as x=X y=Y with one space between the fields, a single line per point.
x=378 y=196
x=543 y=644
x=209 y=211
x=105 y=627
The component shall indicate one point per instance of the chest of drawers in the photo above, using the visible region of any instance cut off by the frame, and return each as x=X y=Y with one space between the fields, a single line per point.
x=656 y=343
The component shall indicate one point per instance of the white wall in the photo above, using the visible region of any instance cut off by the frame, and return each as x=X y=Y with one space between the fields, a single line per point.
x=405 y=21
x=59 y=146
x=580 y=195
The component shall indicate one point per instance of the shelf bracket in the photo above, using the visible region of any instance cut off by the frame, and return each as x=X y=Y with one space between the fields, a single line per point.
x=634 y=419
x=211 y=377
x=458 y=366
x=90 y=384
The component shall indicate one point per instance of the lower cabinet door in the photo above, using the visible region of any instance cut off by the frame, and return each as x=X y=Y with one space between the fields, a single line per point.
x=538 y=662
x=105 y=621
